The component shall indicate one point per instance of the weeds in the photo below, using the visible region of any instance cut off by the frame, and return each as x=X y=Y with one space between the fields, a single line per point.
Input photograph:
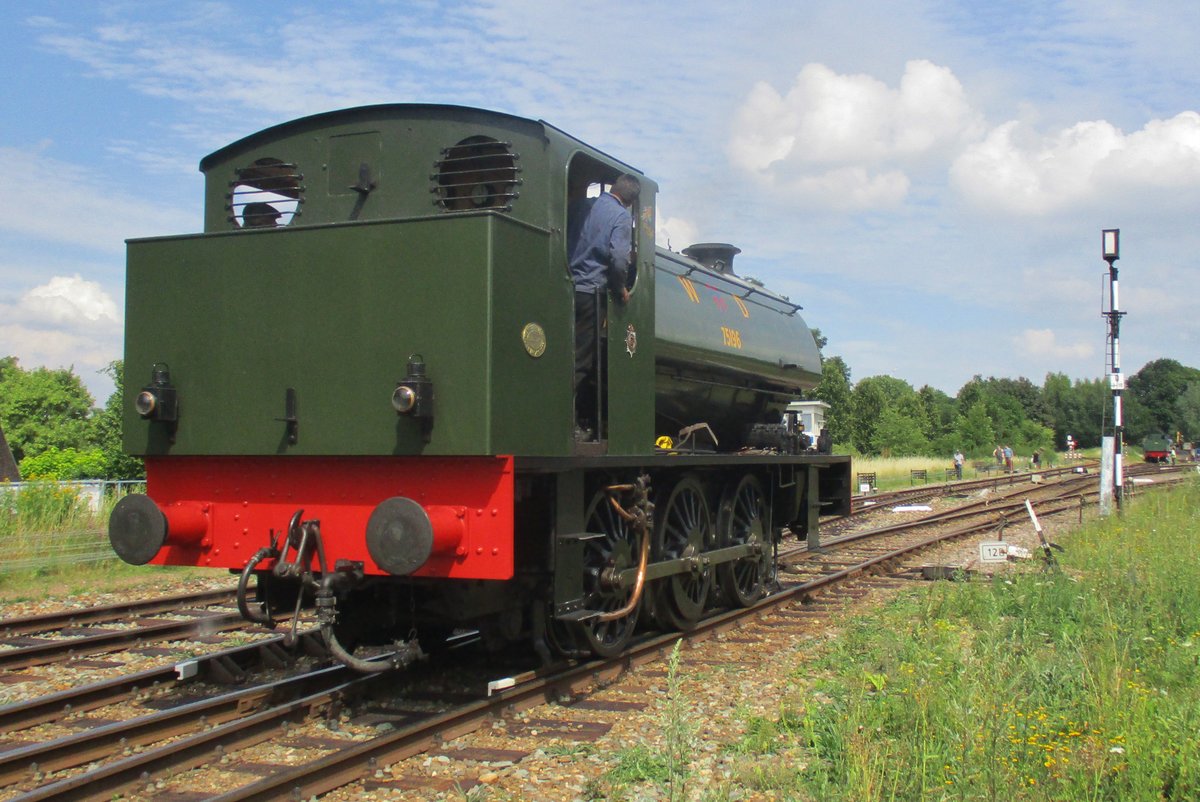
x=668 y=767
x=1075 y=685
x=53 y=528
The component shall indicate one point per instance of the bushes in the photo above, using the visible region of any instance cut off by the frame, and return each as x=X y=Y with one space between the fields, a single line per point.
x=65 y=464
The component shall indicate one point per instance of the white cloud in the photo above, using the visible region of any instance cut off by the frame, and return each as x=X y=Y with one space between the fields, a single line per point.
x=1014 y=169
x=85 y=354
x=675 y=232
x=58 y=201
x=1044 y=343
x=284 y=67
x=66 y=322
x=850 y=188
x=58 y=348
x=842 y=139
x=70 y=300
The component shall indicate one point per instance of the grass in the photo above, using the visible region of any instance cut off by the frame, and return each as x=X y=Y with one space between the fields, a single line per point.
x=892 y=473
x=1082 y=684
x=89 y=579
x=54 y=544
x=665 y=769
x=43 y=507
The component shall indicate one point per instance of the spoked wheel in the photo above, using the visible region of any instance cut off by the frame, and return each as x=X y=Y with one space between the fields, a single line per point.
x=742 y=520
x=604 y=559
x=683 y=530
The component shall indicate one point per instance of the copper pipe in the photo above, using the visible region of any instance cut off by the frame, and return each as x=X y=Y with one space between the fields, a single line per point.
x=638 y=586
x=628 y=516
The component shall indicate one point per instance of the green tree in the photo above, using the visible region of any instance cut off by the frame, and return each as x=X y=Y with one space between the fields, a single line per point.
x=899 y=435
x=1138 y=420
x=941 y=414
x=1158 y=386
x=1092 y=413
x=940 y=411
x=109 y=424
x=43 y=408
x=1009 y=403
x=976 y=435
x=1034 y=436
x=1187 y=410
x=872 y=396
x=820 y=339
x=1057 y=399
x=1080 y=409
x=835 y=391
x=1025 y=393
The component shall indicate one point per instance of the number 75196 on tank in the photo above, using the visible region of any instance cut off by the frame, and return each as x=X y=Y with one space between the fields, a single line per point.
x=358 y=389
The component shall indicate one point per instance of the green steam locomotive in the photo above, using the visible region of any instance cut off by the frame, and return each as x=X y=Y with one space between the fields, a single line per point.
x=359 y=390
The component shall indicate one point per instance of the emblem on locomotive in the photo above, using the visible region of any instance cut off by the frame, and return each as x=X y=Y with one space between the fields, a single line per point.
x=630 y=340
x=534 y=338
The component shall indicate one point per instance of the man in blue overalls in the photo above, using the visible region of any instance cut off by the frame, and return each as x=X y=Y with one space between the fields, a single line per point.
x=599 y=251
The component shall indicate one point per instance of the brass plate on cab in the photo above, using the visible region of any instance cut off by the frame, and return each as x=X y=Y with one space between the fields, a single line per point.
x=534 y=338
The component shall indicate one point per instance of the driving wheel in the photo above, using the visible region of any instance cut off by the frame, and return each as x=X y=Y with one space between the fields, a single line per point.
x=683 y=530
x=742 y=521
x=605 y=558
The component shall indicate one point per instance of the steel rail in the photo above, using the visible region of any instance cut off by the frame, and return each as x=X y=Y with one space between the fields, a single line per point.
x=60 y=650
x=25 y=625
x=223 y=666
x=860 y=506
x=194 y=750
x=101 y=742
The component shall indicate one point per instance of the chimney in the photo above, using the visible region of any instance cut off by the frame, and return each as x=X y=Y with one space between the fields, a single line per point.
x=715 y=255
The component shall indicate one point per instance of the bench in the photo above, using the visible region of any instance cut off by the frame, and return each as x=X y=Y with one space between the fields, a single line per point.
x=867 y=479
x=951 y=474
x=986 y=467
x=921 y=474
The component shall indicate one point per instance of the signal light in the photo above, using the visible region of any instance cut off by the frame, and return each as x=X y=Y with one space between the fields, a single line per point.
x=413 y=395
x=1110 y=244
x=158 y=400
x=145 y=403
x=404 y=399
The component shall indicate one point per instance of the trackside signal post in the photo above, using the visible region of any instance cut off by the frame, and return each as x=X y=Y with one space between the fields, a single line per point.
x=1110 y=240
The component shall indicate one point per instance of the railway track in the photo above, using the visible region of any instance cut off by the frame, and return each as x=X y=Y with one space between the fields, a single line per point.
x=870 y=502
x=156 y=752
x=122 y=611
x=68 y=637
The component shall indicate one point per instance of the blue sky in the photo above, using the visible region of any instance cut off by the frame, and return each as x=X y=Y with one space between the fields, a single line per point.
x=928 y=179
